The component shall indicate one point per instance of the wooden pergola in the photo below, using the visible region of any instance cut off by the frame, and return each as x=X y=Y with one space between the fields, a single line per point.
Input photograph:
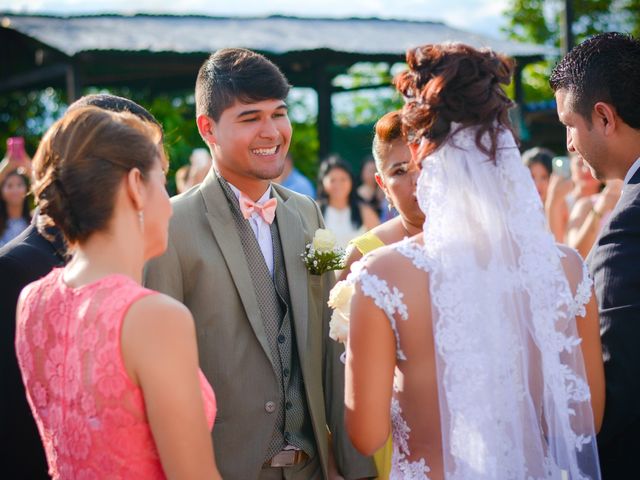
x=163 y=52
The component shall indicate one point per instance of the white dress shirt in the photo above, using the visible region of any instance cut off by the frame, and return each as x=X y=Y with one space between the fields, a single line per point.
x=632 y=171
x=261 y=229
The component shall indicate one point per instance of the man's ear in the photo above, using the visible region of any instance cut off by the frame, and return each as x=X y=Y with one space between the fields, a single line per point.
x=134 y=185
x=604 y=115
x=206 y=127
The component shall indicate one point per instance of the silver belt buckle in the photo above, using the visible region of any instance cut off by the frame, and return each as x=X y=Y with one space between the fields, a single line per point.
x=284 y=458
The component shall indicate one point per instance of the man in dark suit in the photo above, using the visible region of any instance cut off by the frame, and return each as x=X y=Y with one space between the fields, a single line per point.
x=23 y=260
x=27 y=258
x=597 y=91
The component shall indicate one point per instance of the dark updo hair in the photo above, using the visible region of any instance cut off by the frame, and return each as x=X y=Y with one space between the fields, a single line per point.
x=80 y=163
x=454 y=83
x=388 y=129
x=330 y=163
x=539 y=155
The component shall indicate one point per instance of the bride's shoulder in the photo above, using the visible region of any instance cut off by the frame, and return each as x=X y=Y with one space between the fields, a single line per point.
x=395 y=260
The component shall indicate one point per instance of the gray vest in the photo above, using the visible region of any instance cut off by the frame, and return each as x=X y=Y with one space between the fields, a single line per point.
x=293 y=423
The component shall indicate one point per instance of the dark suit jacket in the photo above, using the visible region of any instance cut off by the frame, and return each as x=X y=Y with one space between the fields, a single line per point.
x=615 y=266
x=28 y=257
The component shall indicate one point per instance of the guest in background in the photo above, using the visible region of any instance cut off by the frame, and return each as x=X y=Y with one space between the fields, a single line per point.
x=192 y=174
x=110 y=368
x=563 y=193
x=589 y=215
x=14 y=206
x=369 y=191
x=344 y=213
x=293 y=179
x=396 y=176
x=538 y=160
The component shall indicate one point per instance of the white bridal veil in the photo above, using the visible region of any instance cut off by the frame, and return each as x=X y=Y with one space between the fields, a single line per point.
x=514 y=400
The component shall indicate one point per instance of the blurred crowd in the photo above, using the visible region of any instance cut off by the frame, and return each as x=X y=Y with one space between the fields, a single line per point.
x=576 y=205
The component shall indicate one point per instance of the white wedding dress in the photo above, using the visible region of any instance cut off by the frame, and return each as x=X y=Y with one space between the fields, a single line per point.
x=508 y=398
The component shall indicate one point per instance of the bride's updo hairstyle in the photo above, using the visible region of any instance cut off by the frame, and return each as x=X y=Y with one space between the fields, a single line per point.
x=454 y=83
x=81 y=162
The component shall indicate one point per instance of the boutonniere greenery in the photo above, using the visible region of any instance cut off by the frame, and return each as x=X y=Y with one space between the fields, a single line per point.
x=322 y=254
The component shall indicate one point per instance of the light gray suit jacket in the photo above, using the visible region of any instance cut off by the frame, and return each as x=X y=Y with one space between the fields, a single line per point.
x=205 y=268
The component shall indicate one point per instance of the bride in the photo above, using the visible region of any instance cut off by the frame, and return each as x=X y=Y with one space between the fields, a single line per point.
x=478 y=340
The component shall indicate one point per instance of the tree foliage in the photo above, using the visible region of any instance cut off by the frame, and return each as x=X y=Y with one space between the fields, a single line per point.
x=540 y=22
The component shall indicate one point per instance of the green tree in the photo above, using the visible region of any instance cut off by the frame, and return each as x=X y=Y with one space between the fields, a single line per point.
x=539 y=22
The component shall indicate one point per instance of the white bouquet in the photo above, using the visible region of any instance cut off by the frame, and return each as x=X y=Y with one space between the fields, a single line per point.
x=340 y=301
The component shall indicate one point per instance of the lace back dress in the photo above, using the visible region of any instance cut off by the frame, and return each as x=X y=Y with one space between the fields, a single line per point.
x=90 y=414
x=386 y=276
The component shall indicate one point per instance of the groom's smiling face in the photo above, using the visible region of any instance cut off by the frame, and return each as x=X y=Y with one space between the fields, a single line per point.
x=251 y=140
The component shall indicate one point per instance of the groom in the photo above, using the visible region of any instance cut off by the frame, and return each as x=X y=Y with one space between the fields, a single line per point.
x=234 y=260
x=597 y=91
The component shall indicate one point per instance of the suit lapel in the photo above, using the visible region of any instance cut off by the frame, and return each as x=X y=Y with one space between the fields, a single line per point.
x=224 y=230
x=292 y=239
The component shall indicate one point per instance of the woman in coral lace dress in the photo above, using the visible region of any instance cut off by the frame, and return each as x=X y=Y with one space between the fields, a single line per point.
x=110 y=368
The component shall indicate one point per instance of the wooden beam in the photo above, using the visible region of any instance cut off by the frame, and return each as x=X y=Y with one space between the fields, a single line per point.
x=35 y=77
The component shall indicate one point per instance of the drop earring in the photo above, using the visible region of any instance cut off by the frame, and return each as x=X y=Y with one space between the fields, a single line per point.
x=141 y=219
x=389 y=204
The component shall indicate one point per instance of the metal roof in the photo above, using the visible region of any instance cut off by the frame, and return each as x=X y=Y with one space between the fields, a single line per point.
x=275 y=34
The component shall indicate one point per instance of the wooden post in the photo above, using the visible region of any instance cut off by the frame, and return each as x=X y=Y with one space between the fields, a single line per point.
x=325 y=114
x=567 y=27
x=73 y=84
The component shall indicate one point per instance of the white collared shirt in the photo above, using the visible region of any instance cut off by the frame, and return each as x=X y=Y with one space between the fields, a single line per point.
x=631 y=172
x=261 y=229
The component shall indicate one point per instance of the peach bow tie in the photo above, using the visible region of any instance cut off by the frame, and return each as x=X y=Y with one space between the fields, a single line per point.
x=267 y=210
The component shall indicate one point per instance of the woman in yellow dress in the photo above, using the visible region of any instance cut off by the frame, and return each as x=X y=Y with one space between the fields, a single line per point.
x=397 y=177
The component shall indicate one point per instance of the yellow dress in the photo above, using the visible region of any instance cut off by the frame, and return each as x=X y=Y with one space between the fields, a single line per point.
x=382 y=458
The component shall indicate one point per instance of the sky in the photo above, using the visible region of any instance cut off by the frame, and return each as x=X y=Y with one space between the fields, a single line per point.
x=482 y=16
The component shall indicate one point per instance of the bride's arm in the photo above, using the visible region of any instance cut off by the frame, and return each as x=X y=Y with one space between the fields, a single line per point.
x=589 y=331
x=371 y=358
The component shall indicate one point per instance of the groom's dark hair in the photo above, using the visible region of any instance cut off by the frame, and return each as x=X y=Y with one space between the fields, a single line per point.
x=234 y=74
x=603 y=68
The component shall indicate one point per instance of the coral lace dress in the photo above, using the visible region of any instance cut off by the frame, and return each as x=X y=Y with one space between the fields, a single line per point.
x=90 y=414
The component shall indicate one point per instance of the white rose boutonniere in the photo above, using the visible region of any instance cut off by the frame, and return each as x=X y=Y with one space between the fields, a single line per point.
x=322 y=255
x=340 y=301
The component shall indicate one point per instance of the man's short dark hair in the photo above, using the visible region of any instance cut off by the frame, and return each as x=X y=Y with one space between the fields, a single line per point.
x=603 y=68
x=234 y=74
x=114 y=103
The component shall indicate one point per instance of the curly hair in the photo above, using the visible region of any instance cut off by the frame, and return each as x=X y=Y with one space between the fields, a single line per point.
x=453 y=82
x=603 y=68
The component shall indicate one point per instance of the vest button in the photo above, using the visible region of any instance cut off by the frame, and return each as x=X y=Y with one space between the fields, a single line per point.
x=288 y=405
x=285 y=372
x=281 y=338
x=270 y=407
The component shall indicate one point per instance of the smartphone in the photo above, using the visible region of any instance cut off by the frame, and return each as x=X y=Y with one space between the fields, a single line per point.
x=15 y=148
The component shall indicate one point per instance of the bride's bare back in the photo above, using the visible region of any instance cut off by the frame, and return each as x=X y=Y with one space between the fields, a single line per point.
x=391 y=369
